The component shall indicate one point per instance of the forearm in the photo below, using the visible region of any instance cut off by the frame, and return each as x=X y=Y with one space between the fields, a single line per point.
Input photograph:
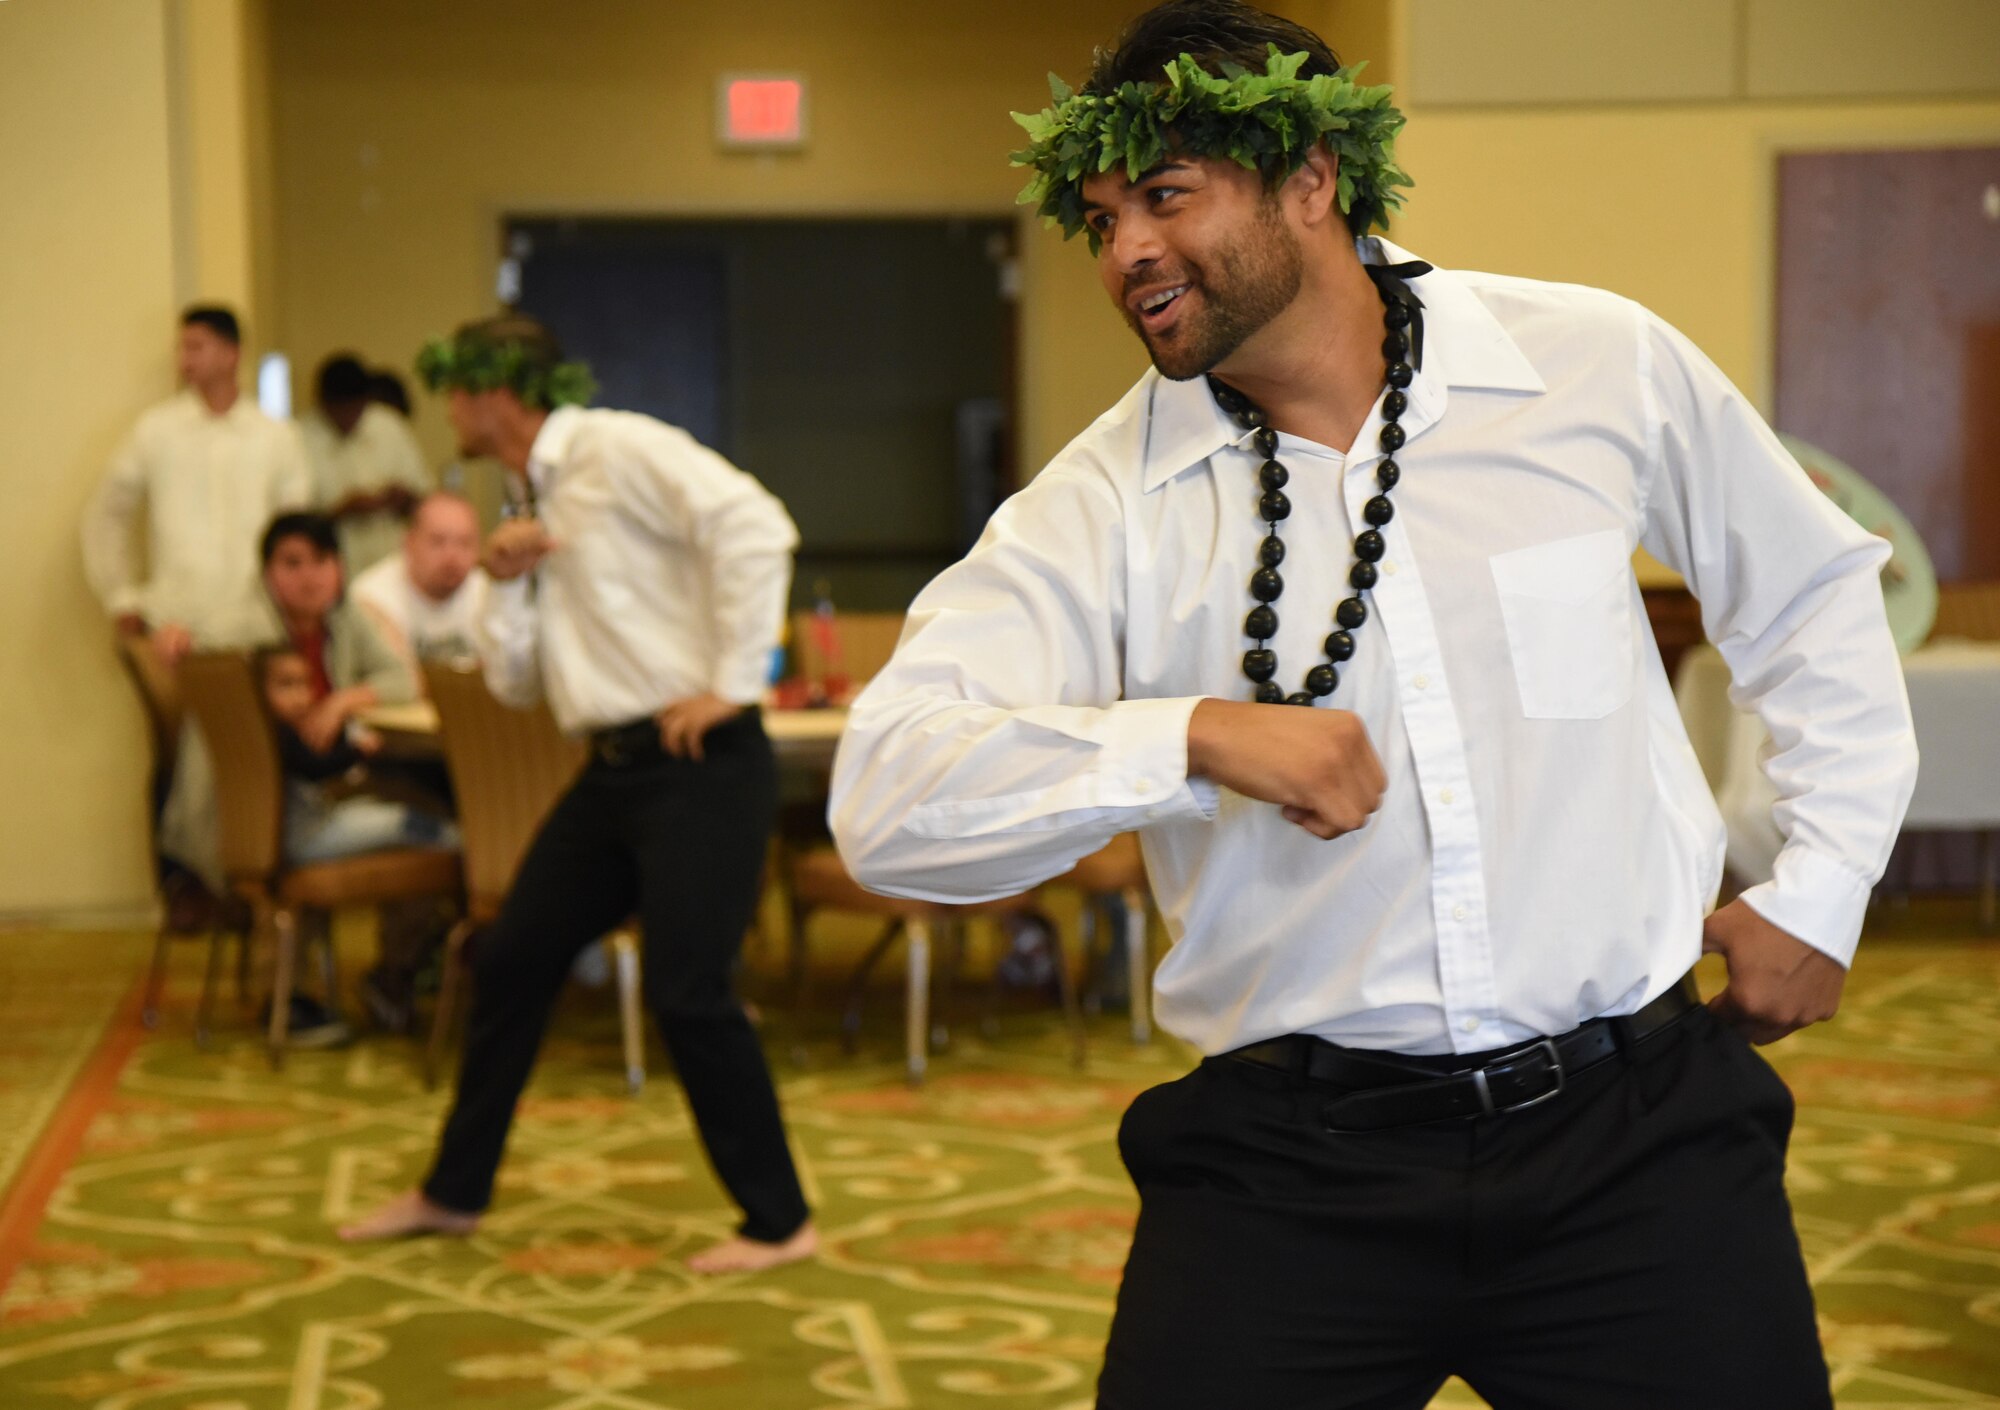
x=950 y=800
x=749 y=592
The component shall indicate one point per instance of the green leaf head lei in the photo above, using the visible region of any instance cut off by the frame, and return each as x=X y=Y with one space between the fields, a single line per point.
x=514 y=353
x=1266 y=122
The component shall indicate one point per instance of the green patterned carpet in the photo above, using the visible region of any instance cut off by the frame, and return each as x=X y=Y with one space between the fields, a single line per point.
x=975 y=1230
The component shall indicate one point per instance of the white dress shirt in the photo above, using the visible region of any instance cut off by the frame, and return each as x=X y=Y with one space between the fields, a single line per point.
x=379 y=452
x=668 y=578
x=209 y=484
x=1547 y=847
x=418 y=627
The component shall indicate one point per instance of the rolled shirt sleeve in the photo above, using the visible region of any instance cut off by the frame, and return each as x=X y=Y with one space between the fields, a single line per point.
x=1798 y=615
x=995 y=751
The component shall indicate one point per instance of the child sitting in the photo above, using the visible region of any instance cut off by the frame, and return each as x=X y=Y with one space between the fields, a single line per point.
x=328 y=813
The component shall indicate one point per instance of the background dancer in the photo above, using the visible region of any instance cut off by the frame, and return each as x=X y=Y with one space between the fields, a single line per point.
x=643 y=592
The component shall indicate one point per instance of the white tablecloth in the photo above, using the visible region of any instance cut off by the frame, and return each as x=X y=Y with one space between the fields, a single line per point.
x=1954 y=700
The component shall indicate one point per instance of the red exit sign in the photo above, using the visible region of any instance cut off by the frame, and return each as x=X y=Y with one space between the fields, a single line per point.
x=761 y=110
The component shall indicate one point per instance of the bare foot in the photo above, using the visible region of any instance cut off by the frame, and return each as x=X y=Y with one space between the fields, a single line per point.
x=741 y=1255
x=407 y=1215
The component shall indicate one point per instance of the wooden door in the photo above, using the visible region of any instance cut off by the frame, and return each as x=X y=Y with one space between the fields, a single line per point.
x=1888 y=340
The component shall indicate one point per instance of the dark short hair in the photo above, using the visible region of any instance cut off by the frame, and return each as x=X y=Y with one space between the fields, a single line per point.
x=389 y=389
x=316 y=529
x=217 y=319
x=342 y=378
x=1214 y=33
x=538 y=345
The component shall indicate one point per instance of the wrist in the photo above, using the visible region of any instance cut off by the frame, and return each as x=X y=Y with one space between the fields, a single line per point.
x=1206 y=726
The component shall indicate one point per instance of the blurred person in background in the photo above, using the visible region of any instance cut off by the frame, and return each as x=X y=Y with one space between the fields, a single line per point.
x=642 y=590
x=208 y=469
x=205 y=469
x=368 y=472
x=426 y=600
x=349 y=669
x=386 y=388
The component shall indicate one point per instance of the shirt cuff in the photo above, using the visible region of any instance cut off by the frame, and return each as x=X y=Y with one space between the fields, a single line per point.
x=1146 y=761
x=1816 y=899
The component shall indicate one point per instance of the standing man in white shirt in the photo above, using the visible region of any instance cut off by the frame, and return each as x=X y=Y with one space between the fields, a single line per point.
x=210 y=470
x=642 y=592
x=1335 y=607
x=426 y=600
x=368 y=471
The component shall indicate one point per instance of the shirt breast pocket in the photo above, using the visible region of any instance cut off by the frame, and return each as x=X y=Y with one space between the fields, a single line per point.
x=1568 y=610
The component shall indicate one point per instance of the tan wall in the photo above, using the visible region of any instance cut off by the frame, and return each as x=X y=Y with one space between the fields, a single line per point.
x=1670 y=205
x=404 y=133
x=87 y=285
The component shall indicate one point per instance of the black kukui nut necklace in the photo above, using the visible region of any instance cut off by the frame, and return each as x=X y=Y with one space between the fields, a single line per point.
x=1403 y=346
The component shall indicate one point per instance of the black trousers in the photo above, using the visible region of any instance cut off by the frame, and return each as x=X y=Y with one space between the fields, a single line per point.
x=681 y=843
x=1627 y=1246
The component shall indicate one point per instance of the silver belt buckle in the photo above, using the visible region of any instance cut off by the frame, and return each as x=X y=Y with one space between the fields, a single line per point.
x=1489 y=1107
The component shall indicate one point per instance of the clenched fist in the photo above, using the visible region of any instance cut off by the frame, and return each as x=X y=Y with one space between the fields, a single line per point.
x=1316 y=765
x=514 y=548
x=1778 y=984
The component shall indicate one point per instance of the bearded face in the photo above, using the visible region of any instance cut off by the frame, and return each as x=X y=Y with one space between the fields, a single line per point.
x=1196 y=257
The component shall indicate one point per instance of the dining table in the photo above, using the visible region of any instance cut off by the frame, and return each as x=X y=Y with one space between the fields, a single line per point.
x=803 y=739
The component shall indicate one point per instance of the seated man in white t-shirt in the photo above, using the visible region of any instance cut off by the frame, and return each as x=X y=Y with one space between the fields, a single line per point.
x=425 y=599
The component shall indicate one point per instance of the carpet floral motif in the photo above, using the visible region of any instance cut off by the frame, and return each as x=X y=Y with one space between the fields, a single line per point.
x=975 y=1230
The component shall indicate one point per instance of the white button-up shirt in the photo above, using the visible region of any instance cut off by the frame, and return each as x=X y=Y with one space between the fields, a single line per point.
x=1546 y=848
x=379 y=452
x=669 y=575
x=208 y=484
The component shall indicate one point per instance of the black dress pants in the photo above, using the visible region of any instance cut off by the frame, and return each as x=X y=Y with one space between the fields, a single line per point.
x=1627 y=1246
x=682 y=843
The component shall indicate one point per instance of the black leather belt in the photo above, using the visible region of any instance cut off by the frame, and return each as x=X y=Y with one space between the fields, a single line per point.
x=638 y=741
x=1394 y=1094
x=620 y=746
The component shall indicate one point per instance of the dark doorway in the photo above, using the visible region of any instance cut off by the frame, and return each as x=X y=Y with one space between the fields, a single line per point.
x=1889 y=333
x=862 y=369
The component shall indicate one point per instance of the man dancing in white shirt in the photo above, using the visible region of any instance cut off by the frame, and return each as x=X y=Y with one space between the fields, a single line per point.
x=643 y=593
x=1335 y=607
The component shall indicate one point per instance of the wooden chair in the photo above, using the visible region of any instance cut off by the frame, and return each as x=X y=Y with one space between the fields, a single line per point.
x=508 y=767
x=160 y=698
x=1970 y=610
x=818 y=881
x=1119 y=870
x=221 y=691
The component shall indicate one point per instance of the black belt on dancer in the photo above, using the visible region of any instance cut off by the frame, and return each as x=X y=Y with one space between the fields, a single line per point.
x=638 y=741
x=1390 y=1095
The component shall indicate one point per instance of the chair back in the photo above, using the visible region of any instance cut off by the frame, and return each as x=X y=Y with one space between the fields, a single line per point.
x=1968 y=610
x=867 y=641
x=507 y=766
x=220 y=690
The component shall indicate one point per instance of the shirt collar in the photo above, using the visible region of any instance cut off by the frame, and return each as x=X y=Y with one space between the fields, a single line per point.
x=551 y=445
x=1464 y=346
